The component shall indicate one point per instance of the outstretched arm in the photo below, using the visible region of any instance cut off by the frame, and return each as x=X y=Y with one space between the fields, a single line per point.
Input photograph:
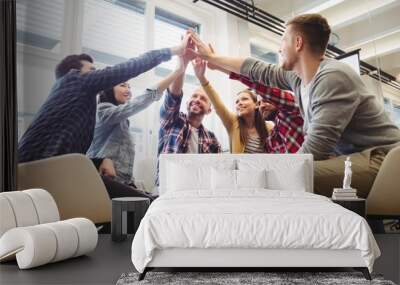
x=212 y=66
x=222 y=111
x=169 y=110
x=176 y=85
x=178 y=73
x=206 y=52
x=255 y=70
x=283 y=100
x=111 y=114
x=108 y=77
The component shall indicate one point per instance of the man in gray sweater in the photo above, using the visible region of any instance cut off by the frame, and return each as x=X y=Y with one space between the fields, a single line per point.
x=341 y=116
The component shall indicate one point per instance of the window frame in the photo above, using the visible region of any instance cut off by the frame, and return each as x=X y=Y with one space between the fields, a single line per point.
x=255 y=46
x=70 y=8
x=140 y=8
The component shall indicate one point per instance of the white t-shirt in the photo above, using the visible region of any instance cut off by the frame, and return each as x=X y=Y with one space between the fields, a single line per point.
x=193 y=145
x=305 y=97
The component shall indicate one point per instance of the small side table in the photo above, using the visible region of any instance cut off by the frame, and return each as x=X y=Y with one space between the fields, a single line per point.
x=357 y=205
x=120 y=207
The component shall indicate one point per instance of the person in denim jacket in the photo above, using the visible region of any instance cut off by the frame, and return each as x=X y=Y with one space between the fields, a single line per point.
x=112 y=138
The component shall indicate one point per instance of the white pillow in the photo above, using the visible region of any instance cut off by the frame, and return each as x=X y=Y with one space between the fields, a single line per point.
x=223 y=179
x=192 y=172
x=292 y=179
x=251 y=178
x=283 y=172
x=183 y=177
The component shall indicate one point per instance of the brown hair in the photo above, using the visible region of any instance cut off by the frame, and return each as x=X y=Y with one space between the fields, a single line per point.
x=315 y=30
x=108 y=96
x=259 y=122
x=72 y=61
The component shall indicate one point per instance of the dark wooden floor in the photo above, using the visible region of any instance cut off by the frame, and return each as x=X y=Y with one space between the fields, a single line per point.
x=102 y=266
x=110 y=259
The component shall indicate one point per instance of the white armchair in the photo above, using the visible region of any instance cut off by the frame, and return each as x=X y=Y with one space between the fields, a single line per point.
x=31 y=232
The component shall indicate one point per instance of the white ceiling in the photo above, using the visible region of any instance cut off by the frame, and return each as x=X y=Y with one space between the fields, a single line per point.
x=371 y=25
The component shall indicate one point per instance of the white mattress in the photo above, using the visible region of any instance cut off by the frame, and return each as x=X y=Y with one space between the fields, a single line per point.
x=256 y=218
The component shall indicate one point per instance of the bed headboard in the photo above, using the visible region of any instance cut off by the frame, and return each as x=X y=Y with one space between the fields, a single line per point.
x=293 y=168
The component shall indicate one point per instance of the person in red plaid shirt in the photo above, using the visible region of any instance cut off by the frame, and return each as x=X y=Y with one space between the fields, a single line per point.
x=278 y=106
x=342 y=117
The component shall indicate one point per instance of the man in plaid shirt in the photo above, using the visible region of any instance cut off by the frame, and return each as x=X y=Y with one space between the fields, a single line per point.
x=185 y=133
x=176 y=127
x=287 y=135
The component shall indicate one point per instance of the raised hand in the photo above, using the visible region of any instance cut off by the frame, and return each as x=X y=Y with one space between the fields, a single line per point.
x=202 y=50
x=199 y=67
x=210 y=65
x=186 y=42
x=190 y=44
x=183 y=60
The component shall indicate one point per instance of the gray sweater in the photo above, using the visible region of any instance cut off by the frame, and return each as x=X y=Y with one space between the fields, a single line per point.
x=342 y=116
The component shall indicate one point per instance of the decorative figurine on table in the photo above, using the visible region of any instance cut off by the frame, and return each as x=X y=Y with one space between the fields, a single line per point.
x=347 y=192
x=347 y=174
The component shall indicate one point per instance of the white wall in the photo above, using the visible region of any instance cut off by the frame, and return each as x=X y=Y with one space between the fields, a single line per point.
x=35 y=77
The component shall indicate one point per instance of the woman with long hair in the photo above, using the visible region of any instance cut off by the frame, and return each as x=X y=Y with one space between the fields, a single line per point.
x=112 y=138
x=247 y=129
x=253 y=129
x=272 y=124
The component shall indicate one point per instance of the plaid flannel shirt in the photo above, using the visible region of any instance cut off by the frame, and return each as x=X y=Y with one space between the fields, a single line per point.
x=175 y=130
x=287 y=134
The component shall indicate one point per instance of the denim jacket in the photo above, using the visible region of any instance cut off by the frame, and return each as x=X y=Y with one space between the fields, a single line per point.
x=112 y=138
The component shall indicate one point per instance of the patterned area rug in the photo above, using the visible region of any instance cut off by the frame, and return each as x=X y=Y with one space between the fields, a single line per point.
x=243 y=278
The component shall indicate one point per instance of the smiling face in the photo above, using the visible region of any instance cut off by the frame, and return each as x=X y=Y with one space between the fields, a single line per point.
x=245 y=104
x=122 y=92
x=305 y=35
x=199 y=103
x=265 y=108
x=290 y=45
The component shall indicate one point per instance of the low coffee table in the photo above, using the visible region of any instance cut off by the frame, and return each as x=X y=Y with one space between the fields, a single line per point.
x=120 y=207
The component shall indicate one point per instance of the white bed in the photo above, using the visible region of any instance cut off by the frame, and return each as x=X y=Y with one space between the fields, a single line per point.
x=213 y=212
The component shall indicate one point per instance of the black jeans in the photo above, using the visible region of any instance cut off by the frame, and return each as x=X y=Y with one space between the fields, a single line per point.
x=117 y=189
